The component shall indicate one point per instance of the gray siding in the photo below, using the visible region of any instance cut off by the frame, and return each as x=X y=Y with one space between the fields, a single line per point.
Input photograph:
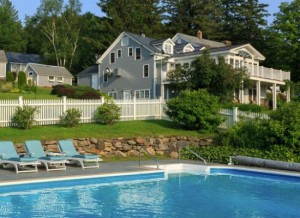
x=43 y=81
x=84 y=80
x=2 y=70
x=131 y=77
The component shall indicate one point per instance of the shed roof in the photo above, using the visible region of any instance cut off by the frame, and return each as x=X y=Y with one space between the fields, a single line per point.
x=48 y=70
x=89 y=70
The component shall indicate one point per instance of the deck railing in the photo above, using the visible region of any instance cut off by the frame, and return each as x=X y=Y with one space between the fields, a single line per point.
x=268 y=73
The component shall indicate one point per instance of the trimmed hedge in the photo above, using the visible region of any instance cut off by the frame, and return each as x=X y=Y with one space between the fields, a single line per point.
x=78 y=92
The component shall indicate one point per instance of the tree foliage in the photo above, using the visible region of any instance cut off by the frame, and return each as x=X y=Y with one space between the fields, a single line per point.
x=134 y=16
x=218 y=77
x=283 y=37
x=195 y=110
x=190 y=16
x=11 y=32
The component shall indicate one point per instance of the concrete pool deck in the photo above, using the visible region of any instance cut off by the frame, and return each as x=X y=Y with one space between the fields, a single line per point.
x=106 y=168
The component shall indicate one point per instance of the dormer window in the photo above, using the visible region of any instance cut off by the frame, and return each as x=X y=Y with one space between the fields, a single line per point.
x=168 y=48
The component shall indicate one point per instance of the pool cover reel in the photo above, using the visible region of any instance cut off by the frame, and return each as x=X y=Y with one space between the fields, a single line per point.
x=252 y=161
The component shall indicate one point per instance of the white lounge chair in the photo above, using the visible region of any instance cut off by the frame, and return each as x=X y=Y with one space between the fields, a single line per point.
x=35 y=149
x=67 y=148
x=10 y=157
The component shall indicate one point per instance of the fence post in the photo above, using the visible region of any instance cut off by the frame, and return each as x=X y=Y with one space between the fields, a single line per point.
x=160 y=107
x=21 y=103
x=64 y=101
x=134 y=108
x=235 y=114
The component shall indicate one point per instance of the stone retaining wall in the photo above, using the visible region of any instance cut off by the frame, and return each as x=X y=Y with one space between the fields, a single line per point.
x=124 y=147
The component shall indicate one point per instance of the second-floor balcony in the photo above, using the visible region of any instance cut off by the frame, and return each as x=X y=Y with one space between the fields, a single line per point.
x=256 y=71
x=267 y=73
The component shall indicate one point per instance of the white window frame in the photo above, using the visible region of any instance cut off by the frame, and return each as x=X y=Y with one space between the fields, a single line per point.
x=51 y=79
x=60 y=80
x=30 y=73
x=168 y=48
x=141 y=94
x=113 y=94
x=110 y=59
x=119 y=53
x=130 y=48
x=124 y=41
x=148 y=68
x=140 y=57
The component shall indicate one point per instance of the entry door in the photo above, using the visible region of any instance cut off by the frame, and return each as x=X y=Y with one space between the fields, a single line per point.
x=94 y=81
x=126 y=94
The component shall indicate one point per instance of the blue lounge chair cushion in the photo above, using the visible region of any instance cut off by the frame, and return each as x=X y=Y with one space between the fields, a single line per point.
x=22 y=159
x=86 y=156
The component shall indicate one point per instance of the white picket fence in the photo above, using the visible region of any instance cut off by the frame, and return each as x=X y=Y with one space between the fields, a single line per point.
x=232 y=116
x=49 y=111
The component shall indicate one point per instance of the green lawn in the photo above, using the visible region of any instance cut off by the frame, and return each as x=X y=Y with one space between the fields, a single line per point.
x=41 y=93
x=124 y=129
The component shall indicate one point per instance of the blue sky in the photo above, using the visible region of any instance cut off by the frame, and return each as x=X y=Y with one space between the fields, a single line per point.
x=28 y=7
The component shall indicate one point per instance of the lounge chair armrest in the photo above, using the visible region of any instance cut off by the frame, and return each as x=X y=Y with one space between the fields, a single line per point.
x=24 y=155
x=55 y=154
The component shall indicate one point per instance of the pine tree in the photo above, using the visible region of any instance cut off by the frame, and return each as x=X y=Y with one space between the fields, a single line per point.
x=189 y=16
x=133 y=15
x=11 y=33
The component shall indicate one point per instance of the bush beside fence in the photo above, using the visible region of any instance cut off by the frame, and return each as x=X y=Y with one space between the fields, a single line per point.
x=50 y=110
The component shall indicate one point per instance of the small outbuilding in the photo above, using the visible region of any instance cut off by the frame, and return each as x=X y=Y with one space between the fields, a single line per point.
x=47 y=75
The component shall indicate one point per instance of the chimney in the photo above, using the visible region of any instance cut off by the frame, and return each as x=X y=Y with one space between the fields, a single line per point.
x=199 y=34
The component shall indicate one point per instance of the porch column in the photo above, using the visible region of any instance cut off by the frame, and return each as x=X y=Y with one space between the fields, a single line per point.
x=274 y=97
x=162 y=91
x=288 y=94
x=258 y=94
x=242 y=97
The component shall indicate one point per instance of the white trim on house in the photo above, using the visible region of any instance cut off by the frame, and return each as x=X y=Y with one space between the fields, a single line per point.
x=135 y=53
x=146 y=71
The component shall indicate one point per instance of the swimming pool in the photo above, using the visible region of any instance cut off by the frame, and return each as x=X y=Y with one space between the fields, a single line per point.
x=219 y=193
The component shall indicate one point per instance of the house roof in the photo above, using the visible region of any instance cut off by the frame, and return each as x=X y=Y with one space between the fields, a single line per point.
x=197 y=42
x=2 y=56
x=89 y=70
x=14 y=57
x=48 y=70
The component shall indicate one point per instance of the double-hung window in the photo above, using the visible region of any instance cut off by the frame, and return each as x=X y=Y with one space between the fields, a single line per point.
x=130 y=51
x=142 y=94
x=124 y=41
x=137 y=53
x=51 y=78
x=146 y=71
x=119 y=53
x=113 y=94
x=112 y=58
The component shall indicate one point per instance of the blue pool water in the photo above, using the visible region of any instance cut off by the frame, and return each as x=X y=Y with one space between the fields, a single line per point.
x=229 y=194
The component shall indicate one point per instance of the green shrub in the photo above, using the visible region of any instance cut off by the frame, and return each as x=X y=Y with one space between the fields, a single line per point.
x=6 y=87
x=108 y=113
x=24 y=117
x=10 y=77
x=22 y=81
x=288 y=115
x=70 y=118
x=221 y=154
x=195 y=110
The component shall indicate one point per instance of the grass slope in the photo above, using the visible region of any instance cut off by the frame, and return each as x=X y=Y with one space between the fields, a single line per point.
x=124 y=129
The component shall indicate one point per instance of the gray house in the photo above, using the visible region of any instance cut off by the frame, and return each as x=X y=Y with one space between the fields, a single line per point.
x=88 y=77
x=3 y=62
x=46 y=75
x=136 y=65
x=18 y=61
